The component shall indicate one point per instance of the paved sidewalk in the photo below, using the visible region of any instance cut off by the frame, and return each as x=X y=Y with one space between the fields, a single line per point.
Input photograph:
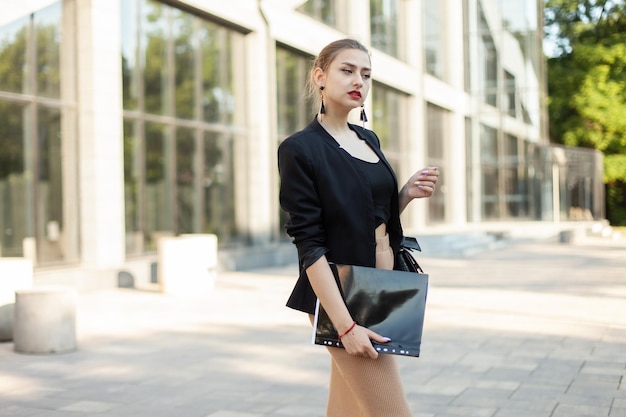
x=531 y=330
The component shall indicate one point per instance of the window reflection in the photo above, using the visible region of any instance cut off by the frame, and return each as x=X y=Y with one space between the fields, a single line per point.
x=322 y=10
x=157 y=190
x=293 y=112
x=184 y=64
x=219 y=199
x=34 y=185
x=487 y=60
x=132 y=180
x=186 y=190
x=387 y=121
x=48 y=33
x=291 y=72
x=437 y=137
x=384 y=26
x=49 y=186
x=490 y=172
x=435 y=45
x=14 y=39
x=15 y=181
x=154 y=57
x=177 y=180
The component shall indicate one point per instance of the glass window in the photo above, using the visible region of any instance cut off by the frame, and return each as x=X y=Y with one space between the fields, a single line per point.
x=386 y=119
x=157 y=190
x=184 y=64
x=487 y=60
x=187 y=213
x=219 y=198
x=16 y=222
x=291 y=73
x=490 y=173
x=154 y=56
x=130 y=54
x=217 y=73
x=435 y=45
x=49 y=185
x=132 y=182
x=178 y=162
x=471 y=194
x=37 y=188
x=467 y=67
x=293 y=111
x=437 y=136
x=48 y=33
x=514 y=178
x=14 y=39
x=384 y=26
x=510 y=94
x=322 y=10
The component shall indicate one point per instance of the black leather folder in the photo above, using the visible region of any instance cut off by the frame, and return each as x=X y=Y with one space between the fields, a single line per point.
x=391 y=303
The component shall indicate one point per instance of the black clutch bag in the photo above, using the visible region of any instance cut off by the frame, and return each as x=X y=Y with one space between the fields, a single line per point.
x=391 y=303
x=404 y=260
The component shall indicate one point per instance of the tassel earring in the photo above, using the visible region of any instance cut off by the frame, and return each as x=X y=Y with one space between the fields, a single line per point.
x=322 y=109
x=363 y=116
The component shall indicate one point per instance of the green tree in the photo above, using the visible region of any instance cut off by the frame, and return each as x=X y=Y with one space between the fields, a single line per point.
x=586 y=85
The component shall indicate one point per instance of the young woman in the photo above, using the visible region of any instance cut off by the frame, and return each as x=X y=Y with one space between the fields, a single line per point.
x=344 y=206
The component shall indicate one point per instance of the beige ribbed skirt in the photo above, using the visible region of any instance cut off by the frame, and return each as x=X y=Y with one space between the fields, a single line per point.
x=364 y=387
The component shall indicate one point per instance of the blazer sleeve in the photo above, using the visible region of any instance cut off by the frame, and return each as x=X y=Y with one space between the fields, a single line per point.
x=300 y=199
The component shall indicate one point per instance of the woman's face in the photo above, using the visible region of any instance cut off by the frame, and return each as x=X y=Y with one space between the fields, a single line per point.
x=347 y=80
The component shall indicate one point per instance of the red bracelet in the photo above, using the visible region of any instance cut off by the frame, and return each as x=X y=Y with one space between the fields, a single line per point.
x=347 y=331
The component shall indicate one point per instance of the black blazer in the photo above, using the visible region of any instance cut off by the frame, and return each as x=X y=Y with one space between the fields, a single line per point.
x=330 y=205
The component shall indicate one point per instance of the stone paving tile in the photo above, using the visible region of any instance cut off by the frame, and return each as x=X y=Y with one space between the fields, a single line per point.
x=617 y=412
x=568 y=410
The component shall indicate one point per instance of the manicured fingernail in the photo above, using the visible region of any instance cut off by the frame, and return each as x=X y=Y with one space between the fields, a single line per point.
x=424 y=172
x=387 y=339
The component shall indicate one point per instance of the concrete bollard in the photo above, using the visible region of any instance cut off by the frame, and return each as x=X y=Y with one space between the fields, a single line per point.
x=15 y=274
x=45 y=320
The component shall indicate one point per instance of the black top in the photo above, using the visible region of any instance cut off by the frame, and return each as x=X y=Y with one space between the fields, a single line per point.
x=330 y=205
x=382 y=184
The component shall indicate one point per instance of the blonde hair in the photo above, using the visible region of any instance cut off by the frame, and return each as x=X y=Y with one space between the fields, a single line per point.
x=323 y=61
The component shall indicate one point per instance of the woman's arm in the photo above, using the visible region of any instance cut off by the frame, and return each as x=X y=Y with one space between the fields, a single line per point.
x=357 y=341
x=420 y=185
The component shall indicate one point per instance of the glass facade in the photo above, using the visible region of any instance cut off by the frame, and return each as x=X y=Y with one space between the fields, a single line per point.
x=437 y=122
x=386 y=120
x=507 y=176
x=294 y=112
x=435 y=42
x=292 y=109
x=37 y=181
x=384 y=27
x=197 y=122
x=183 y=111
x=323 y=10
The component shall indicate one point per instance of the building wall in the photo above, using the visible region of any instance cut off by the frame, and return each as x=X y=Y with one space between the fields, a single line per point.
x=131 y=120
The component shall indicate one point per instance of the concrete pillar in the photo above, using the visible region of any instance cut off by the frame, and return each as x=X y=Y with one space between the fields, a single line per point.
x=99 y=92
x=45 y=320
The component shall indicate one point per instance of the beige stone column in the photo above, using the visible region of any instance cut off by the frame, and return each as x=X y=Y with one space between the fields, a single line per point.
x=100 y=143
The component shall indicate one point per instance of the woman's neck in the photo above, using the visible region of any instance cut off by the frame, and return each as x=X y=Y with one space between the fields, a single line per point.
x=333 y=123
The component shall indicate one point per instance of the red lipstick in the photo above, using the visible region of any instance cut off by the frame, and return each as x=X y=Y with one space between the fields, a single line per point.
x=355 y=94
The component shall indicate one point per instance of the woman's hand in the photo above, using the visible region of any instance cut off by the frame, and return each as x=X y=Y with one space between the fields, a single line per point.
x=421 y=184
x=358 y=342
